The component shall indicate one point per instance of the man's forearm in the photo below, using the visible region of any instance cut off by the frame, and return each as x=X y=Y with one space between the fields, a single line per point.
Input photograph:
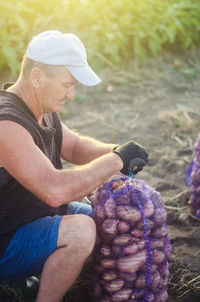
x=88 y=149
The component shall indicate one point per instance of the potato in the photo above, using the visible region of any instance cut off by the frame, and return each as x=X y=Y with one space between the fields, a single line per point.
x=108 y=263
x=159 y=231
x=123 y=239
x=134 y=247
x=140 y=233
x=109 y=207
x=110 y=227
x=105 y=250
x=149 y=224
x=138 y=292
x=155 y=280
x=114 y=286
x=160 y=216
x=123 y=199
x=158 y=256
x=131 y=264
x=99 y=269
x=109 y=275
x=117 y=183
x=148 y=209
x=161 y=297
x=122 y=295
x=128 y=277
x=102 y=195
x=140 y=281
x=123 y=227
x=99 y=213
x=117 y=250
x=151 y=297
x=129 y=213
x=156 y=243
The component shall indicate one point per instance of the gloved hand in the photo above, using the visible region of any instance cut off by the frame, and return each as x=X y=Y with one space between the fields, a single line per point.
x=133 y=156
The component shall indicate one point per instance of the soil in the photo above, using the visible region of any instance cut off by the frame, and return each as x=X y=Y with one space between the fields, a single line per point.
x=156 y=103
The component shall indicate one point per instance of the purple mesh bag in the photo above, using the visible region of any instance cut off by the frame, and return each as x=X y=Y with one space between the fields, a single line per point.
x=195 y=180
x=130 y=259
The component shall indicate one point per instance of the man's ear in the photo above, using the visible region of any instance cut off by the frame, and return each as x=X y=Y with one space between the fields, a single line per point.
x=36 y=76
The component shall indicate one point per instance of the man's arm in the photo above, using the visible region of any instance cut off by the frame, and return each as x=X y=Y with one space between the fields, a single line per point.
x=82 y=149
x=21 y=157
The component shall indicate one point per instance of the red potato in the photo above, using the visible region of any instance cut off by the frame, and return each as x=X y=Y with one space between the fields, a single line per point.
x=108 y=263
x=160 y=216
x=123 y=200
x=117 y=250
x=105 y=250
x=163 y=268
x=148 y=209
x=114 y=286
x=102 y=195
x=128 y=277
x=123 y=239
x=110 y=227
x=140 y=281
x=149 y=224
x=132 y=263
x=123 y=227
x=138 y=292
x=99 y=269
x=156 y=243
x=109 y=207
x=158 y=256
x=167 y=250
x=151 y=297
x=140 y=233
x=129 y=213
x=153 y=268
x=117 y=183
x=159 y=231
x=109 y=275
x=99 y=213
x=155 y=281
x=134 y=247
x=122 y=295
x=161 y=297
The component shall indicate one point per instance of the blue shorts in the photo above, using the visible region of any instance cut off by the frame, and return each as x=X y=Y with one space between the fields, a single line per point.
x=33 y=243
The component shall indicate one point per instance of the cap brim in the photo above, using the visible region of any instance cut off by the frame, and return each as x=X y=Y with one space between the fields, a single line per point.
x=85 y=75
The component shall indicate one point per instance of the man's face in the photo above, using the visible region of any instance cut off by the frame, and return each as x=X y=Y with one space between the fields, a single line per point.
x=56 y=90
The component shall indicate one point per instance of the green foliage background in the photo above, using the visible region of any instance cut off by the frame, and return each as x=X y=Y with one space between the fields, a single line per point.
x=112 y=30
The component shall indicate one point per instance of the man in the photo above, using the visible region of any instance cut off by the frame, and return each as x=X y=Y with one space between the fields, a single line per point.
x=36 y=234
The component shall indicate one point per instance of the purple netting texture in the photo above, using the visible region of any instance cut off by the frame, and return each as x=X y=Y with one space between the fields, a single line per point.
x=133 y=247
x=195 y=180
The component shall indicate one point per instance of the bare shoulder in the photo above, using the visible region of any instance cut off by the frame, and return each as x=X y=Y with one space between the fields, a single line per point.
x=21 y=157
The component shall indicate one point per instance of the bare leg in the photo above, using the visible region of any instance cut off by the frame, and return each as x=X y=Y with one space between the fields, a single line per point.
x=76 y=239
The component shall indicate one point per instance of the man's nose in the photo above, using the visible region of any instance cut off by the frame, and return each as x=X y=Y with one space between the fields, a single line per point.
x=71 y=93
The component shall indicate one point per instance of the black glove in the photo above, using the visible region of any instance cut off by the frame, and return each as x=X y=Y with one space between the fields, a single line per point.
x=133 y=156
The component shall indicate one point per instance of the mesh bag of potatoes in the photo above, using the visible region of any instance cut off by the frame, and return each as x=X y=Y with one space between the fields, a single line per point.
x=193 y=179
x=130 y=259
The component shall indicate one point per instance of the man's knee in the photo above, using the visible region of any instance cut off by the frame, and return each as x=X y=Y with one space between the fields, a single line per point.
x=78 y=231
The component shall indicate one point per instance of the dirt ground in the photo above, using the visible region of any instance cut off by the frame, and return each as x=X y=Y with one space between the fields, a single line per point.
x=155 y=102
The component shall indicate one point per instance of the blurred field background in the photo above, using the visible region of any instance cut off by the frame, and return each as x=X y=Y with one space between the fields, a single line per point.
x=113 y=31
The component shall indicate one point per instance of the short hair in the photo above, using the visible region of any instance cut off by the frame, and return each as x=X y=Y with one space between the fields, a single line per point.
x=28 y=64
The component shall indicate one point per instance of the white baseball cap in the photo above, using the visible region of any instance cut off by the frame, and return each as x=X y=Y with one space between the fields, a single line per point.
x=55 y=48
